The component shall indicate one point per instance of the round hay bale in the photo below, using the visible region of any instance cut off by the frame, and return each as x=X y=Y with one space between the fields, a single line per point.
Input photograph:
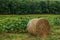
x=38 y=26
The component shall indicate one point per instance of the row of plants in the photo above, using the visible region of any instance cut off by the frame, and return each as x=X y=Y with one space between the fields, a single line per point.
x=17 y=24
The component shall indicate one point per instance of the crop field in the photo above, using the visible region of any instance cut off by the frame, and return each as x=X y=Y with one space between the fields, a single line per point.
x=12 y=27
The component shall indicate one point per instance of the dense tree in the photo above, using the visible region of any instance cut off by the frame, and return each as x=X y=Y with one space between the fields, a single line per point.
x=29 y=7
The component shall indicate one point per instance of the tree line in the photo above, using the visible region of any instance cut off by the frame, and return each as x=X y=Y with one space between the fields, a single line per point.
x=29 y=7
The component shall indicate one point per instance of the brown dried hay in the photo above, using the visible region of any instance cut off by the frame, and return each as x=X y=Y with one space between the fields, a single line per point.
x=39 y=26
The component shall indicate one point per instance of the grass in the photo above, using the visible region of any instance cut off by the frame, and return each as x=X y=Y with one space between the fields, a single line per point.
x=54 y=34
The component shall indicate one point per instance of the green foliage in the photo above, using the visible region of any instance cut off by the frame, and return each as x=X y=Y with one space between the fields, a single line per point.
x=57 y=21
x=17 y=24
x=13 y=25
x=29 y=7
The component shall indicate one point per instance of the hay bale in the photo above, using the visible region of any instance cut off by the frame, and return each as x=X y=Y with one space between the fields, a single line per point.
x=38 y=26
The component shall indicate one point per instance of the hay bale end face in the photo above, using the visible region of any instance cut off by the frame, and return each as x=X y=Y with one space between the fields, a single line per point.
x=38 y=26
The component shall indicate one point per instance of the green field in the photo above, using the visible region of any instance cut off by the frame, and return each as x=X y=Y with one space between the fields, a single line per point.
x=12 y=27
